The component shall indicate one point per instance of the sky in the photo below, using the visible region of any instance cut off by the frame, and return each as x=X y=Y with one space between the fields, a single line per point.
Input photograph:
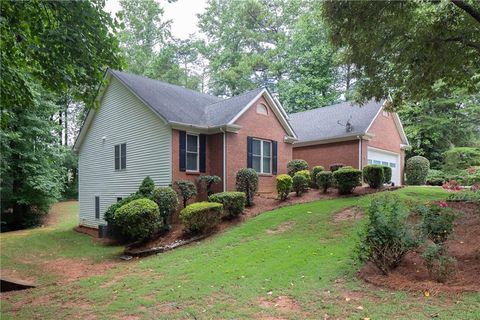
x=182 y=13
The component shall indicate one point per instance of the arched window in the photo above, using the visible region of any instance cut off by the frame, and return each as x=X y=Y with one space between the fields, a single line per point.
x=262 y=109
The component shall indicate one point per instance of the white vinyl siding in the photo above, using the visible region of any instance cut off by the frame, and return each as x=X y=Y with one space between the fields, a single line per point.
x=121 y=119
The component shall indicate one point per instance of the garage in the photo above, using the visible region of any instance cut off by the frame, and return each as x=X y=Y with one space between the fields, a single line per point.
x=386 y=158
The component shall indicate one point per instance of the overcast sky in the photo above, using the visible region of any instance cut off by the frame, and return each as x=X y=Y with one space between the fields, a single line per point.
x=182 y=13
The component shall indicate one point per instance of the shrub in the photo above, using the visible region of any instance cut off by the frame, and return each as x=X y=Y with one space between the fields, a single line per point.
x=472 y=176
x=167 y=201
x=110 y=213
x=373 y=174
x=435 y=177
x=138 y=220
x=295 y=165
x=347 y=179
x=146 y=188
x=299 y=183
x=467 y=196
x=186 y=190
x=208 y=182
x=461 y=158
x=439 y=264
x=324 y=180
x=306 y=174
x=452 y=185
x=386 y=237
x=201 y=217
x=437 y=222
x=247 y=181
x=335 y=166
x=284 y=185
x=233 y=202
x=416 y=170
x=387 y=174
x=313 y=175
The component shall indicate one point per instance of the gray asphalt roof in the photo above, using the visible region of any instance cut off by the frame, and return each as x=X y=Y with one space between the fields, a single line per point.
x=322 y=123
x=175 y=103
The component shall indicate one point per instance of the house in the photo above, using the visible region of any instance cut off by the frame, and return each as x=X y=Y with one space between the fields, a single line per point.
x=351 y=134
x=143 y=127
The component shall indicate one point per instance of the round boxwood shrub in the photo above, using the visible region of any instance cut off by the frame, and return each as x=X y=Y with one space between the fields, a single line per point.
x=335 y=166
x=233 y=202
x=295 y=165
x=201 y=217
x=186 y=189
x=347 y=179
x=113 y=230
x=416 y=170
x=373 y=174
x=246 y=181
x=167 y=201
x=300 y=183
x=284 y=185
x=146 y=188
x=313 y=175
x=138 y=219
x=461 y=158
x=387 y=174
x=324 y=180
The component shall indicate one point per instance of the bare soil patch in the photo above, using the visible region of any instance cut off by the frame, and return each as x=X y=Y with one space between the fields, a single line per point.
x=463 y=245
x=281 y=303
x=281 y=228
x=71 y=270
x=353 y=213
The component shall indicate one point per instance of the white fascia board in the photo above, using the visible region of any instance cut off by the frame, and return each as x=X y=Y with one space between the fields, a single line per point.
x=204 y=129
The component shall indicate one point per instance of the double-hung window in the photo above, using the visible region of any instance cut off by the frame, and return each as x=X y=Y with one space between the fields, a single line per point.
x=192 y=152
x=262 y=156
x=121 y=156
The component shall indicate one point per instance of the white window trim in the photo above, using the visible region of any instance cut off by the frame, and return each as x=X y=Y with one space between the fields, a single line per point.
x=262 y=156
x=187 y=152
x=120 y=157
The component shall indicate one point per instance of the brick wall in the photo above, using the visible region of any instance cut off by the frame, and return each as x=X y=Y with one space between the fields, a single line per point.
x=345 y=152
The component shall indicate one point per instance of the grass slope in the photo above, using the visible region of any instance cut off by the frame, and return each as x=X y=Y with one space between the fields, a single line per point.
x=296 y=251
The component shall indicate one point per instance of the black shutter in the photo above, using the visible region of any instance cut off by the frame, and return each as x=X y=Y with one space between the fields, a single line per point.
x=274 y=157
x=183 y=150
x=97 y=207
x=123 y=158
x=249 y=151
x=117 y=157
x=203 y=145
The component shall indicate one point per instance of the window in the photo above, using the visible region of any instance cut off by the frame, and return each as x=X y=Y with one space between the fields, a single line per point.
x=119 y=199
x=262 y=109
x=384 y=163
x=262 y=156
x=192 y=152
x=370 y=161
x=393 y=165
x=377 y=162
x=97 y=207
x=121 y=156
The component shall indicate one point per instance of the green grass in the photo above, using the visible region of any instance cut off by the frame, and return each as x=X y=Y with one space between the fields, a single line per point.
x=296 y=251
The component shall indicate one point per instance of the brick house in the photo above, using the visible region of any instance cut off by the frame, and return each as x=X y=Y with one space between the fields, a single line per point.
x=351 y=134
x=143 y=127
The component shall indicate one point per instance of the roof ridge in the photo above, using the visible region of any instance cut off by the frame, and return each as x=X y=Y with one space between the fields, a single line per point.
x=320 y=108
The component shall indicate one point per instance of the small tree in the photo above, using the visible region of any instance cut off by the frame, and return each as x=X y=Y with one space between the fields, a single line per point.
x=146 y=188
x=313 y=175
x=167 y=201
x=416 y=170
x=247 y=181
x=208 y=182
x=284 y=186
x=295 y=165
x=374 y=175
x=324 y=180
x=186 y=190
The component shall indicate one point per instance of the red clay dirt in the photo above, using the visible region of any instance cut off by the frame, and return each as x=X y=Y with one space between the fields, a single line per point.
x=411 y=274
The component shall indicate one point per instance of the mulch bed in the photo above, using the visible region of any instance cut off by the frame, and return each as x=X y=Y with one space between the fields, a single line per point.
x=463 y=245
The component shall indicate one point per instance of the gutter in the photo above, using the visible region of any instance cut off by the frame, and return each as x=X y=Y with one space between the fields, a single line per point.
x=364 y=135
x=224 y=159
x=205 y=129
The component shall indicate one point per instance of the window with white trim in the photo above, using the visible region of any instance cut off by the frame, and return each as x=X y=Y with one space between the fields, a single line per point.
x=121 y=156
x=192 y=152
x=262 y=109
x=262 y=156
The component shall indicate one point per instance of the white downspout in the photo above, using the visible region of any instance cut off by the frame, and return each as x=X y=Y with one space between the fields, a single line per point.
x=224 y=159
x=359 y=152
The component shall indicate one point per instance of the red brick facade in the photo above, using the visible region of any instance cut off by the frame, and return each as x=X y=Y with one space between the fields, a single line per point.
x=345 y=152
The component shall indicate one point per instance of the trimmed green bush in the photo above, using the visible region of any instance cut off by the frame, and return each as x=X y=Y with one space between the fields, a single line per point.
x=146 y=188
x=347 y=179
x=416 y=170
x=335 y=166
x=373 y=174
x=110 y=213
x=201 y=217
x=208 y=182
x=435 y=177
x=306 y=174
x=325 y=180
x=284 y=185
x=313 y=175
x=461 y=158
x=233 y=202
x=138 y=219
x=437 y=222
x=167 y=201
x=387 y=174
x=295 y=165
x=186 y=190
x=246 y=181
x=299 y=183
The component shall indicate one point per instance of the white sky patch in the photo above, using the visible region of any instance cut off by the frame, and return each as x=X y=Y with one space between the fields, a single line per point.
x=183 y=14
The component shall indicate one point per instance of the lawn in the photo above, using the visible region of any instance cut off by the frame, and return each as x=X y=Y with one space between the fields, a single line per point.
x=290 y=263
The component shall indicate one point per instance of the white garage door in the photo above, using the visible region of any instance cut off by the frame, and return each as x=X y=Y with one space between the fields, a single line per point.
x=386 y=158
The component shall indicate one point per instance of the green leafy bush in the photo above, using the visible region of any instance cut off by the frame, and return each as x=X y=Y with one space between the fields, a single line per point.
x=472 y=176
x=306 y=174
x=138 y=220
x=437 y=222
x=201 y=217
x=416 y=170
x=435 y=177
x=246 y=181
x=110 y=213
x=284 y=185
x=233 y=202
x=208 y=182
x=387 y=174
x=439 y=264
x=466 y=195
x=461 y=158
x=167 y=201
x=346 y=180
x=299 y=183
x=324 y=180
x=313 y=175
x=295 y=165
x=373 y=174
x=186 y=190
x=386 y=237
x=146 y=188
x=335 y=166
